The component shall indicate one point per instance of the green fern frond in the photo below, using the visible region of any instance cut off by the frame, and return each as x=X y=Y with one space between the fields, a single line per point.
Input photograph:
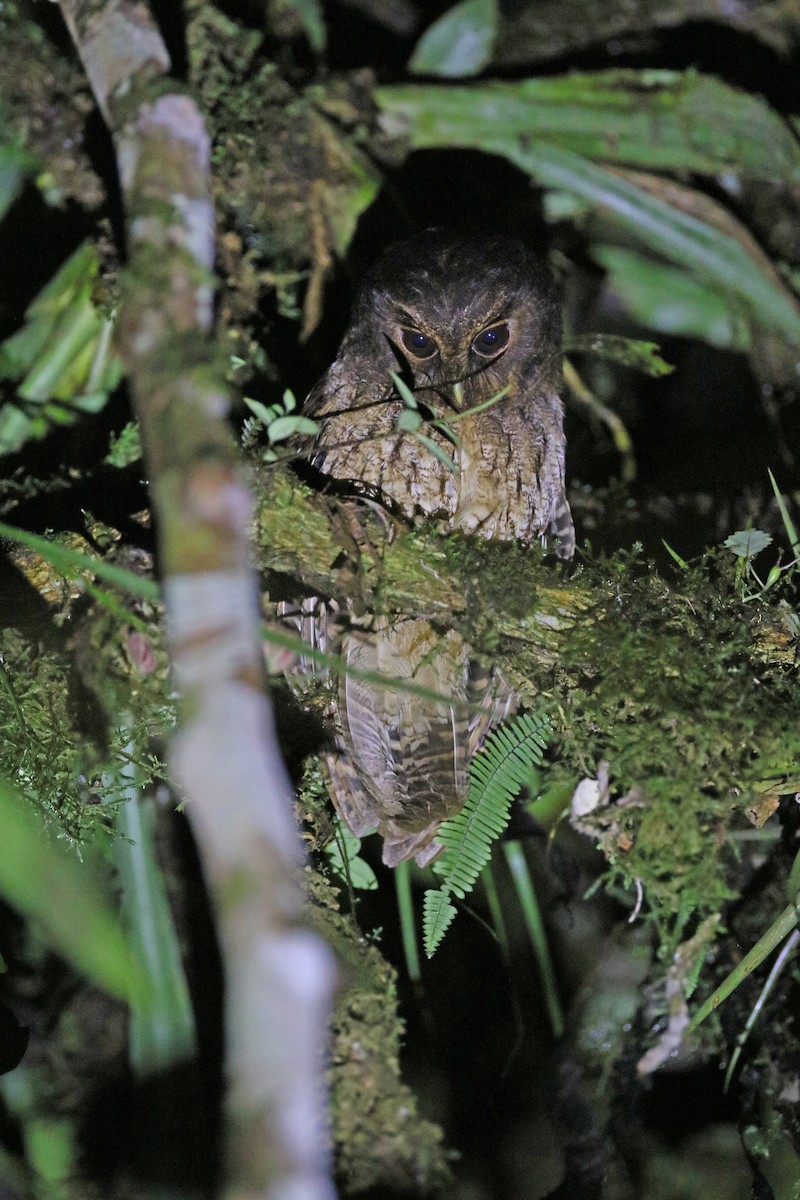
x=437 y=917
x=496 y=775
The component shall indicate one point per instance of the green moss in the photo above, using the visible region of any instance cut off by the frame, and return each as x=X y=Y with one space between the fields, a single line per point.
x=661 y=685
x=62 y=740
x=45 y=99
x=40 y=749
x=288 y=177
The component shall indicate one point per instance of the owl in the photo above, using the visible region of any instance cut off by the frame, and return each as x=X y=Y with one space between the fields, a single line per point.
x=471 y=327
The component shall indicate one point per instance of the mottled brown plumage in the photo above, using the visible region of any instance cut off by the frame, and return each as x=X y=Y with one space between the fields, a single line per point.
x=459 y=319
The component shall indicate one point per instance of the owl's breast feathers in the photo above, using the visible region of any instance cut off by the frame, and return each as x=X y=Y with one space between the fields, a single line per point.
x=507 y=479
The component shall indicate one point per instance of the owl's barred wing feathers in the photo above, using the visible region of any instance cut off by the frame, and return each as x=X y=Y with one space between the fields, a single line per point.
x=401 y=759
x=562 y=527
x=473 y=325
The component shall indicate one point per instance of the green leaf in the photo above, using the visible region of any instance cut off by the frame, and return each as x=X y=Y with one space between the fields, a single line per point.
x=709 y=254
x=453 y=419
x=497 y=774
x=163 y=1031
x=676 y=558
x=408 y=421
x=548 y=806
x=438 y=913
x=280 y=420
x=349 y=866
x=403 y=390
x=788 y=523
x=436 y=450
x=672 y=301
x=126 y=447
x=747 y=543
x=460 y=43
x=311 y=20
x=657 y=120
x=628 y=352
x=780 y=928
x=264 y=414
x=285 y=427
x=47 y=884
x=478 y=118
x=523 y=883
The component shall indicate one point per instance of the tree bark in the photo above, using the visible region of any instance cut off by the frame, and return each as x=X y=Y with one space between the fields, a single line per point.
x=225 y=757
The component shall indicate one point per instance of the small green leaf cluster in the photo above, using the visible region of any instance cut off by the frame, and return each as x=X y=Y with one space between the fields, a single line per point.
x=410 y=420
x=497 y=774
x=280 y=421
x=344 y=856
x=746 y=544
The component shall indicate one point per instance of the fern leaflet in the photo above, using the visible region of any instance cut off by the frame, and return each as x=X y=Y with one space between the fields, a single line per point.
x=496 y=775
x=438 y=913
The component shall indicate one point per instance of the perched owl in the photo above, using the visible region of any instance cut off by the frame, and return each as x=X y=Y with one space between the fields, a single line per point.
x=471 y=325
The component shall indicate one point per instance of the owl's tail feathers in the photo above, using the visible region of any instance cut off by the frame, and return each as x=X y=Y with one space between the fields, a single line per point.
x=420 y=846
x=357 y=810
x=562 y=528
x=352 y=803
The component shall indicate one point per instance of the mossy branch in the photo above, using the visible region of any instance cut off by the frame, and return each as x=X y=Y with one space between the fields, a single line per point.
x=345 y=549
x=670 y=696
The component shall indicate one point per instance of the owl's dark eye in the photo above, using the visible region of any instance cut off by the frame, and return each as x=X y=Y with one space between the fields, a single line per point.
x=491 y=341
x=419 y=344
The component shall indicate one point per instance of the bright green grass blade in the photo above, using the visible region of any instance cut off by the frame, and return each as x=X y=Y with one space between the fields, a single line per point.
x=163 y=1032
x=777 y=931
x=773 y=977
x=495 y=909
x=788 y=523
x=405 y=906
x=47 y=884
x=515 y=857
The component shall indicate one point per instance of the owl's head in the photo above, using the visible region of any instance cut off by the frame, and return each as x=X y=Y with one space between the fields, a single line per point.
x=450 y=308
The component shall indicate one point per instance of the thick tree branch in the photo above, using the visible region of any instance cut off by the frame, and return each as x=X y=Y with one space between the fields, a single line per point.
x=225 y=757
x=346 y=550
